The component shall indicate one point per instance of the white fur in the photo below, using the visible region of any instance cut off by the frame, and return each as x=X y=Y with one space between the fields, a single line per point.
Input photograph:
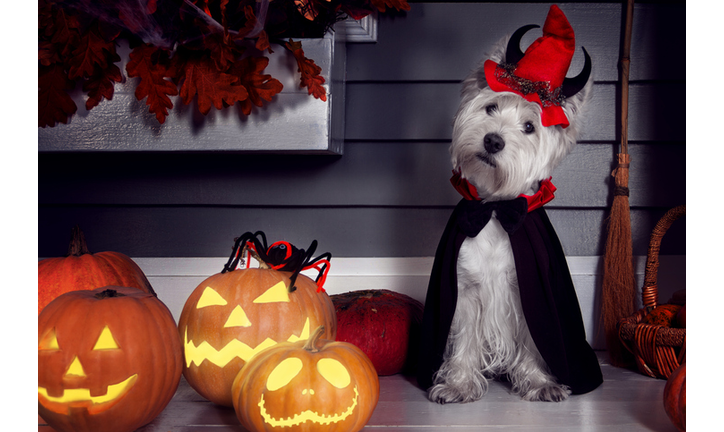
x=489 y=337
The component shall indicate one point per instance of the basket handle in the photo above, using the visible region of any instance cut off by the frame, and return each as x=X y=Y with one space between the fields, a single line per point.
x=650 y=290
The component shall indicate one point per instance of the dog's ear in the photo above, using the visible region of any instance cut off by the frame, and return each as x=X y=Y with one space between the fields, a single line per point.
x=476 y=79
x=498 y=53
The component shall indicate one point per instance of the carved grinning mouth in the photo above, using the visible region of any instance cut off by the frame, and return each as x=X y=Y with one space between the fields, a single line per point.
x=307 y=415
x=235 y=348
x=82 y=397
x=484 y=157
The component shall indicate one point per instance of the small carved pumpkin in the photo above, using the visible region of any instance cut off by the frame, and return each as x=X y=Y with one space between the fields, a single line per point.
x=233 y=315
x=108 y=360
x=82 y=270
x=317 y=385
x=675 y=397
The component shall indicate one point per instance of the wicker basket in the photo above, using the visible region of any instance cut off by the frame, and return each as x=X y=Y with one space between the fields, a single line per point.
x=658 y=350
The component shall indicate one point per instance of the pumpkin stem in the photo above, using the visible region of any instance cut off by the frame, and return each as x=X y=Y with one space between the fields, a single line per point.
x=255 y=255
x=241 y=246
x=77 y=246
x=311 y=344
x=108 y=293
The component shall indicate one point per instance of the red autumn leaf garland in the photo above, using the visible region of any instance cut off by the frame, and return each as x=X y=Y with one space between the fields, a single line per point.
x=193 y=48
x=213 y=87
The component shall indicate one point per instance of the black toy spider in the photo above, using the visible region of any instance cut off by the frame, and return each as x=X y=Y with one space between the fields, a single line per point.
x=282 y=256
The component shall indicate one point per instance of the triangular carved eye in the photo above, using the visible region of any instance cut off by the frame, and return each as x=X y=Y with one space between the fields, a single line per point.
x=276 y=294
x=49 y=341
x=210 y=298
x=105 y=340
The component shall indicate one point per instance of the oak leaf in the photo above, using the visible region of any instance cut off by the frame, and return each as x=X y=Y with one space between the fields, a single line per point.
x=310 y=72
x=224 y=54
x=54 y=103
x=262 y=42
x=101 y=84
x=59 y=28
x=47 y=54
x=201 y=78
x=151 y=65
x=382 y=5
x=92 y=50
x=259 y=86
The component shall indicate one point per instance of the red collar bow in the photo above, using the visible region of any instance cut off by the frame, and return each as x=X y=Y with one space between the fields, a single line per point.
x=544 y=195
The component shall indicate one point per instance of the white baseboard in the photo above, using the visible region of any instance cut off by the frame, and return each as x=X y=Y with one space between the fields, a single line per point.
x=175 y=278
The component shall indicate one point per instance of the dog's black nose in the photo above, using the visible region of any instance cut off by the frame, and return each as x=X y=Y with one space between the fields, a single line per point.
x=493 y=143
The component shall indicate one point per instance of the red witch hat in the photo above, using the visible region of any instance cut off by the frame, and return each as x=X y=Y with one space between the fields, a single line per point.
x=539 y=74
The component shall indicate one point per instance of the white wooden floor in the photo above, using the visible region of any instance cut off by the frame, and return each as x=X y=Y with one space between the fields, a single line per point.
x=626 y=402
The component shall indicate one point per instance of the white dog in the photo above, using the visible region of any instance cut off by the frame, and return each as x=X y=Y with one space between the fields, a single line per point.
x=502 y=148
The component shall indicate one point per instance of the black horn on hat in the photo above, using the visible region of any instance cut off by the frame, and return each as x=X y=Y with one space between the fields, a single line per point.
x=571 y=86
x=513 y=53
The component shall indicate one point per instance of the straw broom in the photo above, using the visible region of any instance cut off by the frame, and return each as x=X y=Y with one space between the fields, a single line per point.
x=619 y=291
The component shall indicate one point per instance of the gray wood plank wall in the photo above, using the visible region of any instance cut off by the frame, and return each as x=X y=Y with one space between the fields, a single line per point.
x=388 y=195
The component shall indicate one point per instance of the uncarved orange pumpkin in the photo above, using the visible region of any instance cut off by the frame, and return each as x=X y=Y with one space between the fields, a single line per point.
x=109 y=360
x=232 y=316
x=317 y=385
x=82 y=270
x=675 y=397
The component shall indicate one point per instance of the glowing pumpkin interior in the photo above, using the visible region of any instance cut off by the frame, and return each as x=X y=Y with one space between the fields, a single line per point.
x=196 y=354
x=333 y=372
x=73 y=394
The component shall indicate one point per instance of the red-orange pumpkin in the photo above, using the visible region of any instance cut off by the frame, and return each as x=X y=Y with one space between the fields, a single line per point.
x=109 y=360
x=232 y=316
x=82 y=270
x=312 y=386
x=675 y=397
x=384 y=324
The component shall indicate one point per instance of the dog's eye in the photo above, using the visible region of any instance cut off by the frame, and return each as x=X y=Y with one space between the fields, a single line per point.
x=490 y=109
x=528 y=128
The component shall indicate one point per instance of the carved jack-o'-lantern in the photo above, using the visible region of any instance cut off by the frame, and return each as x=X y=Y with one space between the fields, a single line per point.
x=108 y=360
x=316 y=385
x=233 y=315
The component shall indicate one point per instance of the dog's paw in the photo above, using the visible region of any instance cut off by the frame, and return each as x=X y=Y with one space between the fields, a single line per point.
x=445 y=393
x=548 y=393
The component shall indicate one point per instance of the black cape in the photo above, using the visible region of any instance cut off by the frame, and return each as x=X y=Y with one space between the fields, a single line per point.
x=549 y=300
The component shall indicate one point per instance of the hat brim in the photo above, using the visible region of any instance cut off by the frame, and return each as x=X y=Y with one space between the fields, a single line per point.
x=499 y=81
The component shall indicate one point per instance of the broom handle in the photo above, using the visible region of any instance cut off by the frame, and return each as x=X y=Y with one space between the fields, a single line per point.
x=625 y=63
